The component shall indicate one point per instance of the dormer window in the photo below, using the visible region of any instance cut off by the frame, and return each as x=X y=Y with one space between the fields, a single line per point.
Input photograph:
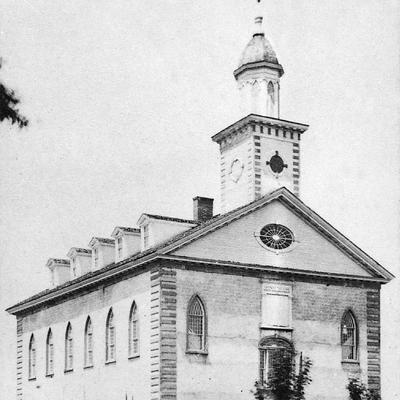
x=127 y=241
x=103 y=252
x=60 y=270
x=96 y=257
x=155 y=229
x=80 y=261
x=146 y=236
x=74 y=272
x=119 y=247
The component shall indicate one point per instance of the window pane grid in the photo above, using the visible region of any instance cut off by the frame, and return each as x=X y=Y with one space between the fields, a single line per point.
x=68 y=349
x=49 y=354
x=88 y=344
x=348 y=337
x=133 y=332
x=271 y=355
x=119 y=246
x=196 y=325
x=32 y=358
x=110 y=338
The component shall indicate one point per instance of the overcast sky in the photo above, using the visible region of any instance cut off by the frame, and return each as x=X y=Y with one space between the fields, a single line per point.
x=124 y=95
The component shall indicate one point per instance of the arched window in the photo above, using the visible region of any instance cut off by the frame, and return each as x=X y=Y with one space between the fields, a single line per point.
x=273 y=351
x=69 y=359
x=32 y=358
x=196 y=325
x=133 y=331
x=110 y=337
x=348 y=334
x=271 y=91
x=88 y=343
x=49 y=353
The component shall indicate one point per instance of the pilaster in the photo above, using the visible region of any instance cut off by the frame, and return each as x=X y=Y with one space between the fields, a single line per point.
x=373 y=339
x=19 y=357
x=163 y=334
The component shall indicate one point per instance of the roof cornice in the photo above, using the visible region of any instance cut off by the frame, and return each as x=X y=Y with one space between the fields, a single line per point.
x=121 y=230
x=259 y=119
x=75 y=251
x=161 y=218
x=258 y=65
x=98 y=241
x=271 y=269
x=52 y=262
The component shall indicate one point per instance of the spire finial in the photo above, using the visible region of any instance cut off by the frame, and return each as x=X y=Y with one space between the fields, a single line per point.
x=258 y=20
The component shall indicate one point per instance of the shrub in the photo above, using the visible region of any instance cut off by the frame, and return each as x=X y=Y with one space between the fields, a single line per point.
x=358 y=391
x=284 y=383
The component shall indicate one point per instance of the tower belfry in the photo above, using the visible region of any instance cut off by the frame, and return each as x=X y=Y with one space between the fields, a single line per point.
x=258 y=75
x=260 y=152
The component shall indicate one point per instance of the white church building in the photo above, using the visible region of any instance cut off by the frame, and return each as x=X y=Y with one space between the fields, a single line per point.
x=199 y=309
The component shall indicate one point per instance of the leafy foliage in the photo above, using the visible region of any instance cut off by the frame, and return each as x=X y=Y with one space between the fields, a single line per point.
x=358 y=391
x=8 y=110
x=283 y=383
x=302 y=379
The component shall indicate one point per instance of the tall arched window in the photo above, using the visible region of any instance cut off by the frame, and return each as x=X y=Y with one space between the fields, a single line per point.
x=349 y=336
x=196 y=325
x=133 y=331
x=110 y=337
x=273 y=351
x=49 y=354
x=88 y=343
x=271 y=91
x=32 y=358
x=69 y=359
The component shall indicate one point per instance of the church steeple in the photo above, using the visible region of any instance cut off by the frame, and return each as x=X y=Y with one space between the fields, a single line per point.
x=258 y=75
x=260 y=152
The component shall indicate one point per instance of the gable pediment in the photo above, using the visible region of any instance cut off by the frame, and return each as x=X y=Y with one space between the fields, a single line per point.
x=317 y=248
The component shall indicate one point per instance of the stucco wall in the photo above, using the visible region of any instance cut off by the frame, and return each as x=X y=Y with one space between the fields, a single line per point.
x=129 y=377
x=233 y=305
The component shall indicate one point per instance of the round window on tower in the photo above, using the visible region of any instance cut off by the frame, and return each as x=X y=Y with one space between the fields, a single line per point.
x=276 y=237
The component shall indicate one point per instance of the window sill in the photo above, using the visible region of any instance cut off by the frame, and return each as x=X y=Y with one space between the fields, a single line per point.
x=133 y=356
x=201 y=352
x=68 y=371
x=110 y=362
x=276 y=328
x=357 y=362
x=33 y=378
x=88 y=366
x=50 y=375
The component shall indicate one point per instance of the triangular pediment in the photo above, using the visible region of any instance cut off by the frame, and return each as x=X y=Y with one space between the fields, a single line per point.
x=318 y=247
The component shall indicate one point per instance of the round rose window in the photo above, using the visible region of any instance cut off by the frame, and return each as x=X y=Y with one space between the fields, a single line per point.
x=276 y=236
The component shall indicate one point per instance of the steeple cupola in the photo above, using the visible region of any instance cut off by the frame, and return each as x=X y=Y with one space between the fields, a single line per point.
x=258 y=75
x=261 y=151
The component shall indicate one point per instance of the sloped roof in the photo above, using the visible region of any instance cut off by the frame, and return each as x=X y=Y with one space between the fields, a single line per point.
x=127 y=229
x=171 y=219
x=282 y=194
x=258 y=49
